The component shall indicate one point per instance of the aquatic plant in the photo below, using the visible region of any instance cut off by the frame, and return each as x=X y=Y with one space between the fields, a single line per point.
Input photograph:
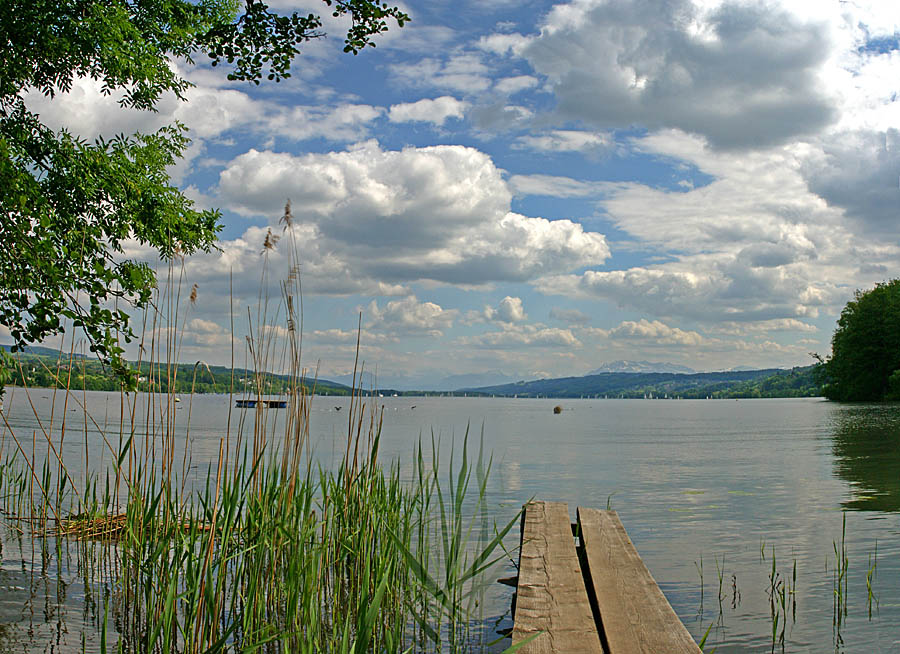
x=270 y=551
x=870 y=581
x=839 y=582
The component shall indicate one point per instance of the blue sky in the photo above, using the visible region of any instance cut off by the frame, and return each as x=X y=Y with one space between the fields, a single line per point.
x=538 y=188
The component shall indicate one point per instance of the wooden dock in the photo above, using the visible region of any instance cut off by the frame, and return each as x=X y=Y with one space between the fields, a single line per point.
x=251 y=404
x=584 y=588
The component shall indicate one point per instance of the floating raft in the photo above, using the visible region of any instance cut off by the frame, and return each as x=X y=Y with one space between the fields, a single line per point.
x=251 y=404
x=584 y=588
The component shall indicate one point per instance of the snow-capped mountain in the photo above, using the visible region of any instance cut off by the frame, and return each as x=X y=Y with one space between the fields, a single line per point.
x=642 y=366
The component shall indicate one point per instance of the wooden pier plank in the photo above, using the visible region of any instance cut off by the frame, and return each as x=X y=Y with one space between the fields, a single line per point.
x=551 y=595
x=636 y=617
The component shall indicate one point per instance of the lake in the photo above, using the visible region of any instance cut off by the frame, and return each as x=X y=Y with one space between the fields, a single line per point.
x=723 y=499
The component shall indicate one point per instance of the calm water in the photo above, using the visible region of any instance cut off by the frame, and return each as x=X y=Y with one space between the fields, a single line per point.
x=703 y=487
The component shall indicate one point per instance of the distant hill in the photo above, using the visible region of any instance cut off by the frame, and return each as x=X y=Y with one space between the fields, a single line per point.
x=490 y=378
x=41 y=365
x=771 y=382
x=41 y=351
x=427 y=383
x=364 y=380
x=88 y=373
x=642 y=366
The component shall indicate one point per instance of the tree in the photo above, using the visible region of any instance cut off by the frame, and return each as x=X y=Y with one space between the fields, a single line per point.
x=67 y=206
x=865 y=348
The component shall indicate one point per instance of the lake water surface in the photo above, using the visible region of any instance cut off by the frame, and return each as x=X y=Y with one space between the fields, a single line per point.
x=722 y=499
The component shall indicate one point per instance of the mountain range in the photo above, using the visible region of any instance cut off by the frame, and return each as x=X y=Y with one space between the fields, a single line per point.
x=642 y=366
x=772 y=382
x=428 y=383
x=626 y=379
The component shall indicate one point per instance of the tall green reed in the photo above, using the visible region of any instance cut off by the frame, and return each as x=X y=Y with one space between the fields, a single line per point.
x=271 y=552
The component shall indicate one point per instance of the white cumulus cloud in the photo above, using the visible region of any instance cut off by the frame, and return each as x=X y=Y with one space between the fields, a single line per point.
x=435 y=111
x=510 y=309
x=555 y=186
x=566 y=140
x=410 y=316
x=438 y=213
x=740 y=74
x=209 y=112
x=717 y=293
x=510 y=85
x=655 y=332
x=524 y=336
x=462 y=72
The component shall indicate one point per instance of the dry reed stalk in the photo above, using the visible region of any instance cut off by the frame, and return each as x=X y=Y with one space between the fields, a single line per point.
x=90 y=528
x=34 y=477
x=110 y=527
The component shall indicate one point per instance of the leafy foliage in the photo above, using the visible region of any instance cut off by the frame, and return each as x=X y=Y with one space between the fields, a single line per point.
x=865 y=348
x=68 y=207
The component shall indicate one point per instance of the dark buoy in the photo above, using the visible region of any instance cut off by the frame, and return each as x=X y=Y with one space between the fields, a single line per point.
x=557 y=409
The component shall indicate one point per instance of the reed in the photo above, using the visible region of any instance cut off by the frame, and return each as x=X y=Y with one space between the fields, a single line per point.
x=777 y=602
x=840 y=581
x=870 y=581
x=699 y=568
x=720 y=574
x=271 y=552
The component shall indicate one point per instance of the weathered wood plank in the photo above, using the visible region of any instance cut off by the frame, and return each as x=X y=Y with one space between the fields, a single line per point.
x=551 y=595
x=636 y=617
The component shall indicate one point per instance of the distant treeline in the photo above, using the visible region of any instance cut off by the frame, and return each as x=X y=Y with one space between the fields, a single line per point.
x=773 y=382
x=41 y=368
x=50 y=371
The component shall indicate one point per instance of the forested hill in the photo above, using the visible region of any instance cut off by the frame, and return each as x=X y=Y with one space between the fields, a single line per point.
x=772 y=382
x=42 y=367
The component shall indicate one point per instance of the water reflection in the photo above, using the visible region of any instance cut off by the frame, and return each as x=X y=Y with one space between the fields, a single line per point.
x=866 y=448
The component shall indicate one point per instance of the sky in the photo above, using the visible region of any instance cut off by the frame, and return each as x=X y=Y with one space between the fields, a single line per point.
x=527 y=189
